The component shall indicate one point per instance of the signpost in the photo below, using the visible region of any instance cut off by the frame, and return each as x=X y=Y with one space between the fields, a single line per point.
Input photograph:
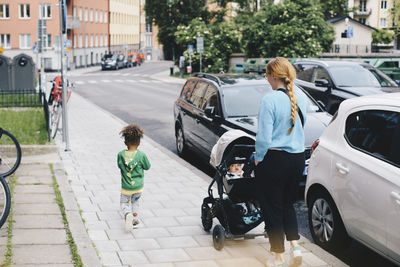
x=200 y=48
x=190 y=52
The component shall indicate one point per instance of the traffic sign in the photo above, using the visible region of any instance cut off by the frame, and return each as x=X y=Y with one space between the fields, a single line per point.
x=190 y=49
x=67 y=43
x=350 y=32
x=200 y=44
x=35 y=48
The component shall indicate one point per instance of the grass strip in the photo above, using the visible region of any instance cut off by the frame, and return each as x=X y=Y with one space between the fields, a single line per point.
x=74 y=250
x=8 y=255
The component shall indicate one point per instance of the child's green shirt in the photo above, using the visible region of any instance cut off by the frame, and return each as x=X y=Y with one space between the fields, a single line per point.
x=132 y=165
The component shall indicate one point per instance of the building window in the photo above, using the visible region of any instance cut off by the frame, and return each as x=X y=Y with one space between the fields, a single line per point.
x=105 y=16
x=4 y=12
x=5 y=40
x=149 y=40
x=96 y=16
x=105 y=40
x=101 y=40
x=97 y=41
x=47 y=41
x=384 y=5
x=382 y=23
x=80 y=41
x=91 y=40
x=24 y=11
x=24 y=41
x=45 y=11
x=101 y=16
x=149 y=27
x=86 y=41
x=91 y=15
x=80 y=14
x=362 y=20
x=74 y=12
x=75 y=41
x=86 y=14
x=363 y=5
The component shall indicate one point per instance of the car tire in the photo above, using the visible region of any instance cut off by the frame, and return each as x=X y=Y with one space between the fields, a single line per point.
x=326 y=225
x=180 y=142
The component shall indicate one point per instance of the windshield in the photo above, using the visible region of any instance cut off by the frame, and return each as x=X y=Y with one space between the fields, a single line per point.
x=242 y=101
x=359 y=76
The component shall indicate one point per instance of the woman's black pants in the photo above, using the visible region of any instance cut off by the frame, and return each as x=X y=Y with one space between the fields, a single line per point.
x=277 y=182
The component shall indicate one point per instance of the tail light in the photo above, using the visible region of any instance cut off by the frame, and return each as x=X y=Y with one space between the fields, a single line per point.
x=314 y=146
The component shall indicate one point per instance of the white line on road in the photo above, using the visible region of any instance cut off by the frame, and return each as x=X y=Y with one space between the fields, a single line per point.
x=125 y=74
x=106 y=81
x=79 y=82
x=132 y=81
x=119 y=81
x=92 y=81
x=143 y=81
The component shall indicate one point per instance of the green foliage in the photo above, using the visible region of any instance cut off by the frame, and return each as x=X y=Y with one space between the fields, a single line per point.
x=221 y=39
x=382 y=37
x=395 y=14
x=168 y=14
x=334 y=8
x=289 y=29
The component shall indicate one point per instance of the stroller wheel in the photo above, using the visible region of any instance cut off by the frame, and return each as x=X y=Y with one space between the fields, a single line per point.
x=206 y=220
x=218 y=237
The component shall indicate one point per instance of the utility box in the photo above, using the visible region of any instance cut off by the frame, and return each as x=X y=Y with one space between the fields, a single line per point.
x=23 y=72
x=5 y=73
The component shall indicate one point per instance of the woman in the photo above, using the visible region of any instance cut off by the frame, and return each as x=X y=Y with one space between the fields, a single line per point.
x=280 y=158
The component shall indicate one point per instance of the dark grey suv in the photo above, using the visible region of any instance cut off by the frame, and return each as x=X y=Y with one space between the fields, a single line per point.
x=209 y=105
x=331 y=81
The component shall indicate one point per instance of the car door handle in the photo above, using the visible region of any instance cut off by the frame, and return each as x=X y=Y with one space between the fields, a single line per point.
x=396 y=196
x=342 y=169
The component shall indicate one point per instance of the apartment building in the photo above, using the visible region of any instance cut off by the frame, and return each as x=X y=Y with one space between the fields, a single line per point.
x=149 y=44
x=124 y=26
x=18 y=29
x=88 y=31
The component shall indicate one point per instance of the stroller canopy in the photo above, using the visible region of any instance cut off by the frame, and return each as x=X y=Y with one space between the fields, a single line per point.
x=224 y=141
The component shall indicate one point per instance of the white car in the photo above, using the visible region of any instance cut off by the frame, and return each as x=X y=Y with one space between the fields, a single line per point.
x=353 y=183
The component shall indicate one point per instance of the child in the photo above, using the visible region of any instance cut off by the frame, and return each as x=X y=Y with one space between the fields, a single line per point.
x=131 y=162
x=235 y=171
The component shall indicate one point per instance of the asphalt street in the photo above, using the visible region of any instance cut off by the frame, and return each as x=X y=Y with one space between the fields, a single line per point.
x=134 y=96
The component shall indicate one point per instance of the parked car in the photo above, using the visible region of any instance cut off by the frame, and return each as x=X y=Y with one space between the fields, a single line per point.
x=127 y=63
x=251 y=65
x=210 y=105
x=133 y=59
x=353 y=183
x=112 y=61
x=331 y=82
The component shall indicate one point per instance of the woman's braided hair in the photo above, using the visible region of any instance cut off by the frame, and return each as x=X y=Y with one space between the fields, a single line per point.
x=132 y=134
x=280 y=68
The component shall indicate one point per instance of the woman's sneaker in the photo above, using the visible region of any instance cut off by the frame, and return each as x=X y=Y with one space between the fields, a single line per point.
x=296 y=259
x=274 y=263
x=128 y=222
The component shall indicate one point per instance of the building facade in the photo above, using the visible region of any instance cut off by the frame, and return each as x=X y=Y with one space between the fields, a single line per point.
x=149 y=44
x=124 y=26
x=19 y=29
x=88 y=31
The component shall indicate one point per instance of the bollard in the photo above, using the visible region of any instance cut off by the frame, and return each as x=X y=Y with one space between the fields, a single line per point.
x=171 y=71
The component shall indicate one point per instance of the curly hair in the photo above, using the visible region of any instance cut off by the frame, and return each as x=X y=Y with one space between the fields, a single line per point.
x=132 y=134
x=281 y=68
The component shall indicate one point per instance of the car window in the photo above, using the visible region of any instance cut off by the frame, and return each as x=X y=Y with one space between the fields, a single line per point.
x=211 y=99
x=375 y=132
x=319 y=73
x=198 y=93
x=240 y=101
x=187 y=89
x=359 y=76
x=304 y=72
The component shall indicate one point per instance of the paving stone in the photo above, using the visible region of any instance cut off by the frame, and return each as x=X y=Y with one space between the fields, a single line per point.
x=186 y=230
x=34 y=198
x=97 y=235
x=199 y=264
x=155 y=265
x=246 y=250
x=138 y=244
x=168 y=212
x=89 y=216
x=3 y=249
x=189 y=220
x=96 y=225
x=43 y=265
x=150 y=232
x=160 y=222
x=34 y=189
x=119 y=234
x=41 y=254
x=312 y=260
x=132 y=258
x=167 y=255
x=207 y=253
x=106 y=245
x=38 y=221
x=39 y=236
x=240 y=262
x=110 y=258
x=177 y=242
x=41 y=179
x=22 y=209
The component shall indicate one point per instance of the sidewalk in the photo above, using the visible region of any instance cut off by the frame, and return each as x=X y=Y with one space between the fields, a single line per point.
x=170 y=233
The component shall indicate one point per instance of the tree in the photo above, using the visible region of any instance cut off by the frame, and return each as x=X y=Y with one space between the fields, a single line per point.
x=382 y=37
x=395 y=14
x=168 y=14
x=221 y=39
x=334 y=8
x=293 y=28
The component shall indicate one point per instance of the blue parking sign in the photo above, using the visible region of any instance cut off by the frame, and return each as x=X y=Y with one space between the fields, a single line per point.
x=350 y=32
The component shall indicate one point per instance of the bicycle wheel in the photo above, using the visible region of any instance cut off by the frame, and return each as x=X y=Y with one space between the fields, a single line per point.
x=10 y=153
x=5 y=200
x=55 y=119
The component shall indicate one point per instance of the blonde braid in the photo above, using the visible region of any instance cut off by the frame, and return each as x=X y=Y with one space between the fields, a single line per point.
x=293 y=101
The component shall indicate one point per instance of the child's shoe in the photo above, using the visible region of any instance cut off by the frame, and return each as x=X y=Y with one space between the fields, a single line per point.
x=296 y=258
x=128 y=222
x=135 y=223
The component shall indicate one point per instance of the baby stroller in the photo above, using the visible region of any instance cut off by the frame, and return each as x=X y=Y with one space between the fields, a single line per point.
x=236 y=207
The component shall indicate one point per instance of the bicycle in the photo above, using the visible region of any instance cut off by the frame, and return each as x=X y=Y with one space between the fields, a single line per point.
x=10 y=158
x=55 y=99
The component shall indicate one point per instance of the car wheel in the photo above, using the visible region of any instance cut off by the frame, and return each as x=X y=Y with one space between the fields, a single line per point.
x=180 y=142
x=326 y=225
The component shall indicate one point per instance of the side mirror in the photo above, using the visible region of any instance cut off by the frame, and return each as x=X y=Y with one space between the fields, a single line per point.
x=322 y=83
x=209 y=112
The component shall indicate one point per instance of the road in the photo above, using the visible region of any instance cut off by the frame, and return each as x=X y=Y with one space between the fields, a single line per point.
x=134 y=96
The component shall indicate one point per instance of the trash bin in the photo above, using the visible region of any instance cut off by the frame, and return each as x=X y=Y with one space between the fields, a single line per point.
x=171 y=70
x=239 y=67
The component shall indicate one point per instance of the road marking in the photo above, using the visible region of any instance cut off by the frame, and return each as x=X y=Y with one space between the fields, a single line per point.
x=132 y=81
x=79 y=82
x=125 y=74
x=156 y=81
x=92 y=81
x=136 y=74
x=119 y=81
x=143 y=81
x=106 y=81
x=145 y=75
